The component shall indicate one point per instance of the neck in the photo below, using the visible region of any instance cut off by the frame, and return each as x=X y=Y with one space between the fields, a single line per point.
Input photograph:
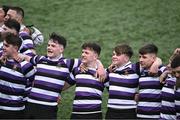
x=92 y=64
x=124 y=63
x=56 y=58
x=13 y=56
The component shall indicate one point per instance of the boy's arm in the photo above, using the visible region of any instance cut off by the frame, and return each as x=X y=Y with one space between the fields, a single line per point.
x=66 y=86
x=70 y=80
x=20 y=57
x=101 y=73
x=164 y=75
x=29 y=73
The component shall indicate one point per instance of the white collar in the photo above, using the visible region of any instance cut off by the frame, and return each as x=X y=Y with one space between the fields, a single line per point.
x=56 y=58
x=123 y=66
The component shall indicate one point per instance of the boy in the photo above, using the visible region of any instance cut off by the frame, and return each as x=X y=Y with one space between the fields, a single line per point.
x=12 y=26
x=51 y=75
x=168 y=92
x=17 y=13
x=15 y=79
x=123 y=82
x=149 y=86
x=88 y=92
x=175 y=65
x=3 y=12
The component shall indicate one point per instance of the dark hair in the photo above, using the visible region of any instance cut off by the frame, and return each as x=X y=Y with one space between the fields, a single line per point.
x=58 y=38
x=124 y=49
x=13 y=39
x=19 y=10
x=93 y=46
x=5 y=9
x=148 y=48
x=12 y=24
x=175 y=61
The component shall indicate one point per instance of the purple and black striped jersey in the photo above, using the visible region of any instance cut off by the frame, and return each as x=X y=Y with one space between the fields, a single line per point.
x=88 y=92
x=123 y=83
x=149 y=104
x=15 y=80
x=50 y=79
x=168 y=111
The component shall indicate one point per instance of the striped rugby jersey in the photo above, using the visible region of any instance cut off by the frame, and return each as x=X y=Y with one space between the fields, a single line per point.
x=88 y=92
x=27 y=44
x=123 y=83
x=50 y=79
x=15 y=80
x=177 y=103
x=149 y=104
x=168 y=111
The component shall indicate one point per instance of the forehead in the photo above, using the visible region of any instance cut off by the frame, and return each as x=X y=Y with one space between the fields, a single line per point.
x=87 y=49
x=1 y=10
x=53 y=42
x=11 y=12
x=146 y=55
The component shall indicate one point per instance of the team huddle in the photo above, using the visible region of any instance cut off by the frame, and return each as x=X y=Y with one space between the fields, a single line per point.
x=31 y=84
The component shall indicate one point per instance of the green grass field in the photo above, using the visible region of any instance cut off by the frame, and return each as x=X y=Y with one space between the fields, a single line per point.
x=107 y=22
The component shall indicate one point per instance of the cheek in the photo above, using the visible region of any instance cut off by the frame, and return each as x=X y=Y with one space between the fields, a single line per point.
x=8 y=50
x=57 y=51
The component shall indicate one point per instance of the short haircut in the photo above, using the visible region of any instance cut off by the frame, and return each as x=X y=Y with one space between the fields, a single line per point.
x=175 y=61
x=12 y=24
x=148 y=48
x=12 y=39
x=124 y=49
x=19 y=10
x=5 y=9
x=58 y=38
x=93 y=46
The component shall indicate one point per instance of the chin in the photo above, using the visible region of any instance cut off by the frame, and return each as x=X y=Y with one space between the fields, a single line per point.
x=114 y=62
x=50 y=56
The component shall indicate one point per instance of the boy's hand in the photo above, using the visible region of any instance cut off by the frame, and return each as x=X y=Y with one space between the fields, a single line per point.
x=155 y=67
x=59 y=99
x=177 y=51
x=163 y=76
x=112 y=67
x=83 y=68
x=136 y=97
x=101 y=74
x=19 y=57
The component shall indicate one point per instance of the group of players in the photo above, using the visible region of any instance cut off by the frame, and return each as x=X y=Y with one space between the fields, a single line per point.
x=31 y=84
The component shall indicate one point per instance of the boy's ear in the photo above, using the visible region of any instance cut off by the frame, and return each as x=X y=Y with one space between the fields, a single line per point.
x=62 y=48
x=16 y=47
x=96 y=56
x=154 y=57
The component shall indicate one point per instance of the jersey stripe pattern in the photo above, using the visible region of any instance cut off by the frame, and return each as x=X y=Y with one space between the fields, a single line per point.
x=49 y=80
x=177 y=103
x=88 y=92
x=123 y=83
x=149 y=104
x=168 y=111
x=15 y=80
